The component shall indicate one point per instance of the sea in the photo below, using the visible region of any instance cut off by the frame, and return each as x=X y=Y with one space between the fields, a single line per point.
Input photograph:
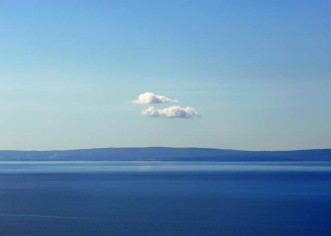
x=165 y=198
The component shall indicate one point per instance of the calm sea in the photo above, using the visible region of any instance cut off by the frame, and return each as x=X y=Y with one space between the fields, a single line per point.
x=165 y=198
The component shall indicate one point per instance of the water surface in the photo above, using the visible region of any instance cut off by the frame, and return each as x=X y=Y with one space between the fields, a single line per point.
x=165 y=198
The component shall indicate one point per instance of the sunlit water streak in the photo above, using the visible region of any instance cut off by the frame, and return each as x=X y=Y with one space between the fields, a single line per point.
x=159 y=166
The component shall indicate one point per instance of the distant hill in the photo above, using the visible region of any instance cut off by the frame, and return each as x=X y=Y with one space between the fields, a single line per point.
x=166 y=154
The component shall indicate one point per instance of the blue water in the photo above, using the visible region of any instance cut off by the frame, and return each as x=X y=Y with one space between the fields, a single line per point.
x=165 y=198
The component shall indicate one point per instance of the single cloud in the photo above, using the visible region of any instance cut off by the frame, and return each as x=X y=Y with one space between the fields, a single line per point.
x=171 y=112
x=151 y=98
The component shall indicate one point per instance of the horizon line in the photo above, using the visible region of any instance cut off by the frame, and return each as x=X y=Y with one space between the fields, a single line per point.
x=145 y=147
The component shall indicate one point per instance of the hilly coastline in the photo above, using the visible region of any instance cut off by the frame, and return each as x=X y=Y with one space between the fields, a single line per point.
x=166 y=154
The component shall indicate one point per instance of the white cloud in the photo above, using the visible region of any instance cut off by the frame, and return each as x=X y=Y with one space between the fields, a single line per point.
x=171 y=112
x=151 y=98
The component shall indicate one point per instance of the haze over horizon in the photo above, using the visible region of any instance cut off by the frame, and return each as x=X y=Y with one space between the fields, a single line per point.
x=243 y=75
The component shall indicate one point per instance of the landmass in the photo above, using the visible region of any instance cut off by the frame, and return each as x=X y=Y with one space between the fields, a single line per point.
x=166 y=154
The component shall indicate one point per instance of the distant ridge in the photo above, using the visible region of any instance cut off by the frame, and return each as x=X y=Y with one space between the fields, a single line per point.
x=166 y=154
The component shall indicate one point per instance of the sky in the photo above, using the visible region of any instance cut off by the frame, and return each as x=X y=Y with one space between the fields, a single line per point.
x=248 y=75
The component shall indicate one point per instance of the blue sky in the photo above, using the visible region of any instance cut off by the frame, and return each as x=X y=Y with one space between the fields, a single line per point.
x=258 y=73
